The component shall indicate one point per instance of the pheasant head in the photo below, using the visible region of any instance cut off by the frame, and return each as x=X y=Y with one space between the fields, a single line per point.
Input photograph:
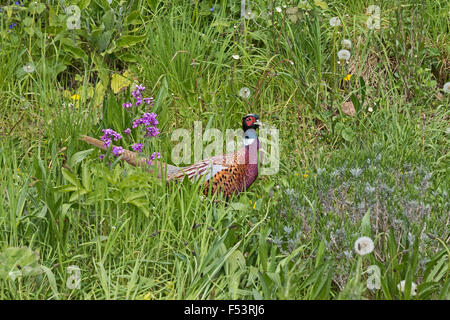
x=251 y=121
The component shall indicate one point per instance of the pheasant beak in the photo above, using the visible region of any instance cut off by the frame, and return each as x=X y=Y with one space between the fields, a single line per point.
x=258 y=123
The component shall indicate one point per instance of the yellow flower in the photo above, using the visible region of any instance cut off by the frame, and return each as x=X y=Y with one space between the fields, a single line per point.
x=348 y=77
x=305 y=175
x=75 y=97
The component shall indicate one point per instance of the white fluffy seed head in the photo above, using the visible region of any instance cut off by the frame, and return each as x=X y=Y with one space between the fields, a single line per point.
x=446 y=87
x=347 y=44
x=245 y=93
x=29 y=67
x=249 y=15
x=344 y=54
x=364 y=245
x=335 y=22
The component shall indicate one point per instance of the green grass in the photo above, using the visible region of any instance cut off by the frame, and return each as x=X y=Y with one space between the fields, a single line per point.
x=380 y=173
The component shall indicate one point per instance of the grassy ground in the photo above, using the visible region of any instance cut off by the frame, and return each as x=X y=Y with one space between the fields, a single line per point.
x=378 y=170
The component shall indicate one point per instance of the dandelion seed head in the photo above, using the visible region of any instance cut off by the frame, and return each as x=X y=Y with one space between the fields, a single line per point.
x=347 y=44
x=344 y=54
x=249 y=15
x=446 y=87
x=335 y=22
x=29 y=67
x=364 y=245
x=245 y=93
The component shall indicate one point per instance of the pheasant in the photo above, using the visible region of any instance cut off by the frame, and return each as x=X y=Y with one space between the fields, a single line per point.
x=229 y=174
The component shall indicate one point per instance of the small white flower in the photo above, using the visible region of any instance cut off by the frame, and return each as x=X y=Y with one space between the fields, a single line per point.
x=370 y=109
x=29 y=67
x=364 y=245
x=344 y=54
x=347 y=44
x=235 y=56
x=446 y=87
x=278 y=9
x=245 y=93
x=401 y=287
x=335 y=22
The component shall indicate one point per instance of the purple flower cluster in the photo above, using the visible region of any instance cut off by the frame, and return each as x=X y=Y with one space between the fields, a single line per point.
x=150 y=123
x=148 y=120
x=137 y=94
x=149 y=100
x=154 y=155
x=108 y=134
x=137 y=147
x=117 y=151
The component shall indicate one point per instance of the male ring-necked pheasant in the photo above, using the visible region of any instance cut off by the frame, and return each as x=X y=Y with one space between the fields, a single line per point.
x=230 y=174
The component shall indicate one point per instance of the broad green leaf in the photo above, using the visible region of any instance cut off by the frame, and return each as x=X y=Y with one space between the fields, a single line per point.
x=134 y=18
x=348 y=134
x=119 y=83
x=129 y=41
x=79 y=156
x=69 y=176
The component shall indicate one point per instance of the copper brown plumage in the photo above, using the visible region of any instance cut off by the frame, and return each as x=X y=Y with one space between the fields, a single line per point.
x=229 y=174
